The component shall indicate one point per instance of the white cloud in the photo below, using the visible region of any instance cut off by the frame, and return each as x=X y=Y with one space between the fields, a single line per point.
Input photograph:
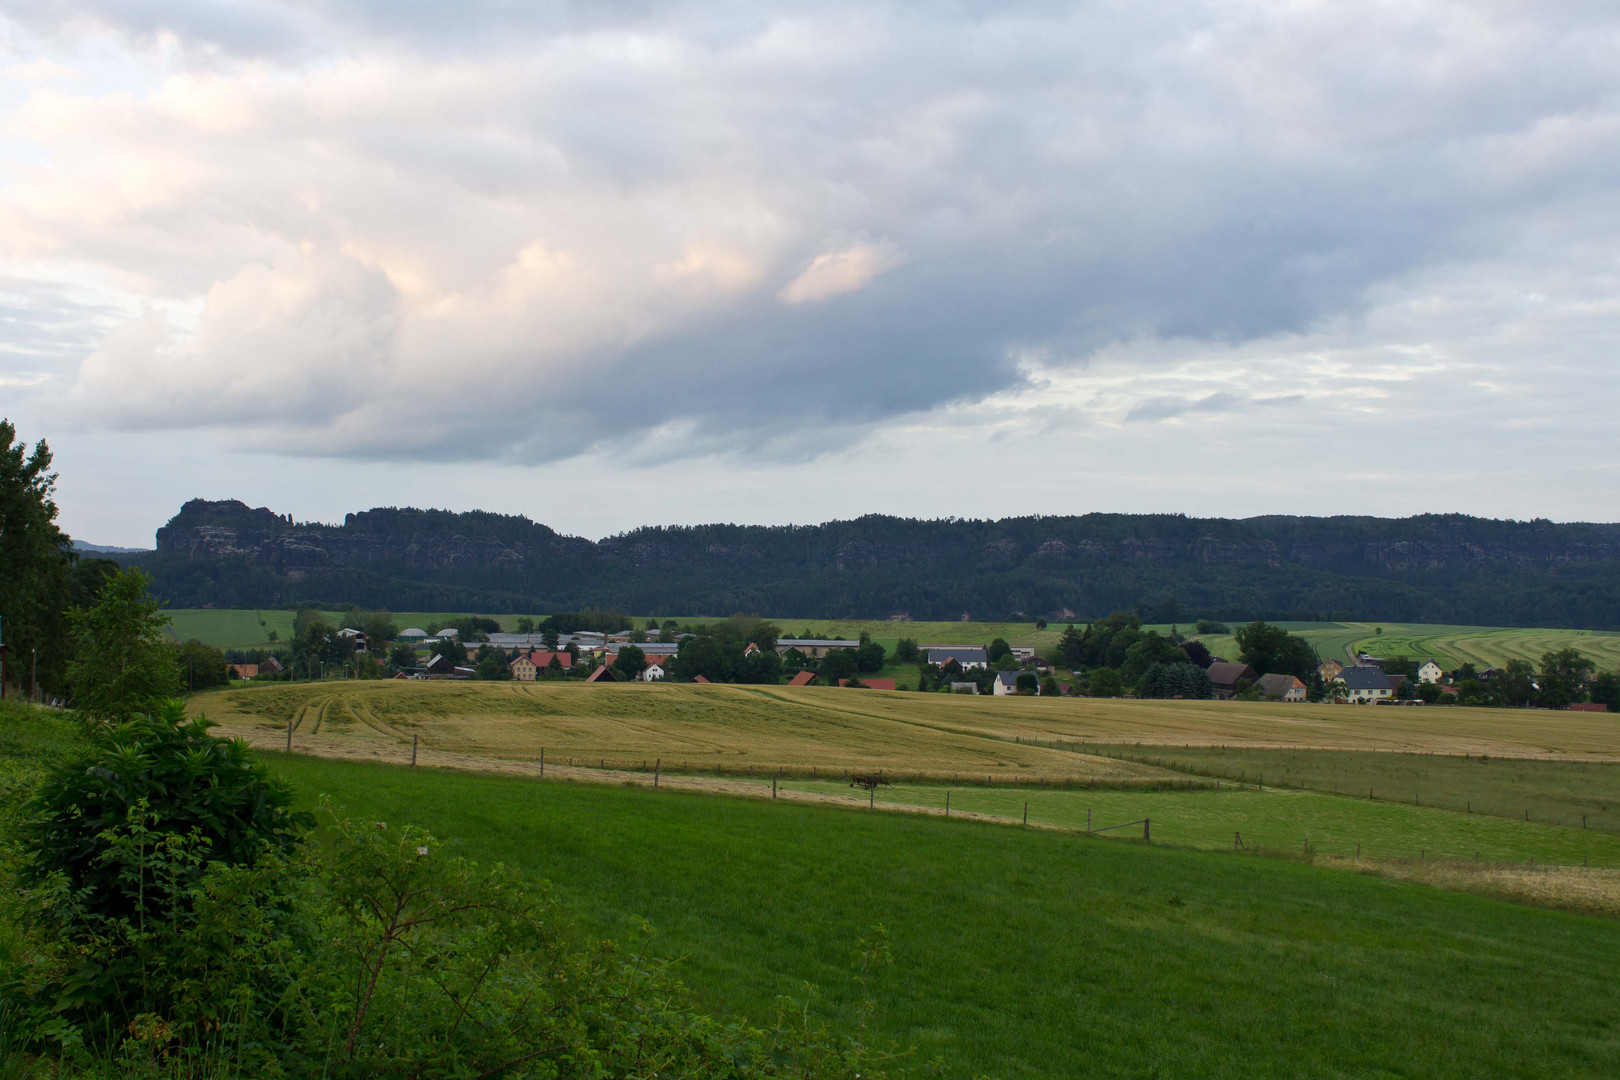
x=833 y=273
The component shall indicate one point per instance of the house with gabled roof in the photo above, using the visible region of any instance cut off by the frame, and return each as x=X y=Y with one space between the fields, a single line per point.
x=1225 y=675
x=1281 y=687
x=1365 y=685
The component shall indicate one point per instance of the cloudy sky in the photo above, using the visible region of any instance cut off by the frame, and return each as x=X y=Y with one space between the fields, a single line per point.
x=609 y=264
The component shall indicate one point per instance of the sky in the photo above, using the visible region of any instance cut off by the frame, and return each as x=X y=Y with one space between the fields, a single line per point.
x=620 y=263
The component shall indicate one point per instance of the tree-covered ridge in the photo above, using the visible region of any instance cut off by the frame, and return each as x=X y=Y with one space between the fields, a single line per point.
x=1429 y=568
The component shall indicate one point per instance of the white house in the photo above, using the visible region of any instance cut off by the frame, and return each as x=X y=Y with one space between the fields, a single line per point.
x=653 y=672
x=1364 y=685
x=1429 y=672
x=1006 y=683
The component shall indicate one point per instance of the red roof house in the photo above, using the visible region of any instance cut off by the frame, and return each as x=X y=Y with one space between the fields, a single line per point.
x=542 y=660
x=803 y=678
x=603 y=673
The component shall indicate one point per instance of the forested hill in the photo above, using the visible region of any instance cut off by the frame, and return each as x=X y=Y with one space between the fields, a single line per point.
x=1432 y=568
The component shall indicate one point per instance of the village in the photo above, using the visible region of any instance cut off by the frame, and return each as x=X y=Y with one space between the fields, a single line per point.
x=995 y=669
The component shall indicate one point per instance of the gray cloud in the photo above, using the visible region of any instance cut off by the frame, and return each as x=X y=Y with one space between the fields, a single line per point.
x=518 y=234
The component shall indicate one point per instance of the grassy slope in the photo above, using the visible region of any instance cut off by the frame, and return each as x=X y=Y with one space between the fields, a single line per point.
x=1270 y=819
x=1551 y=791
x=1028 y=953
x=1449 y=646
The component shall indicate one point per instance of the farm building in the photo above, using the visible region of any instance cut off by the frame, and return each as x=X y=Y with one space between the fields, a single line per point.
x=1226 y=675
x=244 y=671
x=1281 y=687
x=603 y=673
x=1429 y=672
x=523 y=669
x=814 y=648
x=803 y=678
x=967 y=657
x=653 y=672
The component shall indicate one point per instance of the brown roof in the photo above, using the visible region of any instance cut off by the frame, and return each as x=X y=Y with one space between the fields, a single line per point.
x=871 y=684
x=245 y=671
x=1226 y=674
x=543 y=659
x=603 y=673
x=1278 y=685
x=699 y=678
x=803 y=678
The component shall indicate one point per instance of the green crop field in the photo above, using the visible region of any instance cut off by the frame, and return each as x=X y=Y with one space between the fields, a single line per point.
x=1042 y=953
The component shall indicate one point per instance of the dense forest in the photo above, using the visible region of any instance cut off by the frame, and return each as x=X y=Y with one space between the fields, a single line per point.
x=1431 y=568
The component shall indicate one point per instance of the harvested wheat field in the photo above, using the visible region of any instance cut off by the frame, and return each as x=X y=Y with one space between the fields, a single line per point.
x=741 y=729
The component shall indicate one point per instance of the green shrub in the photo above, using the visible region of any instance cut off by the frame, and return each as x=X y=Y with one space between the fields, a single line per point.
x=183 y=781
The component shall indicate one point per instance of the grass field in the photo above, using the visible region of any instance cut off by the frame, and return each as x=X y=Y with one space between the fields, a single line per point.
x=1563 y=792
x=1045 y=952
x=1039 y=953
x=1266 y=820
x=229 y=628
x=1449 y=646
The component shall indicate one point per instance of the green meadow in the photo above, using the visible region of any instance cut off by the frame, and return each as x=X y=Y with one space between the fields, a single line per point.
x=1449 y=646
x=1034 y=952
x=1269 y=819
x=1575 y=793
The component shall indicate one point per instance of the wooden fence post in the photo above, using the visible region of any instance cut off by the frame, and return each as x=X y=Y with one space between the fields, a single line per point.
x=658 y=766
x=289 y=736
x=1147 y=825
x=1088 y=819
x=1026 y=813
x=773 y=782
x=414 y=739
x=542 y=763
x=947 y=804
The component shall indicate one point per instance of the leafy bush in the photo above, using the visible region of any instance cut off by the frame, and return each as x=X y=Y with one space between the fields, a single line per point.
x=154 y=776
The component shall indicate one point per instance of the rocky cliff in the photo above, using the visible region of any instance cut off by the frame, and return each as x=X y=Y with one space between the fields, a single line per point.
x=1427 y=568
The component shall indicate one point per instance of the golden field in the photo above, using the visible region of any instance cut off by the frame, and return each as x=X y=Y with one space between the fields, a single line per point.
x=736 y=729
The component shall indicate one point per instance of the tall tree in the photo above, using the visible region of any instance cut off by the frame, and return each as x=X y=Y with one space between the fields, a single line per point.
x=122 y=665
x=1271 y=650
x=35 y=562
x=1563 y=677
